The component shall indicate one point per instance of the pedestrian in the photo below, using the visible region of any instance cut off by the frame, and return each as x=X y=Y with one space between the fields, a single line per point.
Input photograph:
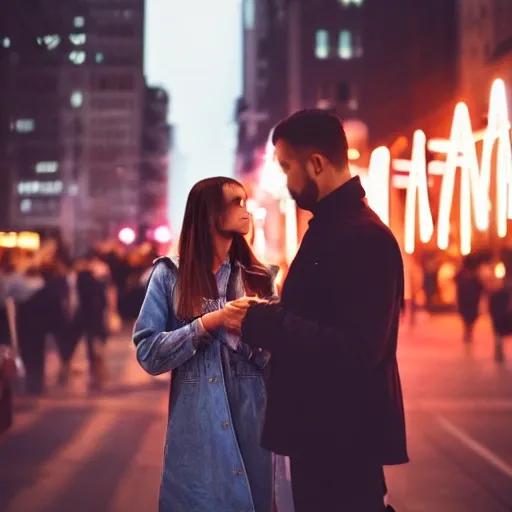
x=7 y=375
x=213 y=459
x=91 y=317
x=334 y=394
x=469 y=293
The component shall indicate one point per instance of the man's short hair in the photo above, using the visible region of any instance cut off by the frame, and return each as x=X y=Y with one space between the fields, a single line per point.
x=316 y=130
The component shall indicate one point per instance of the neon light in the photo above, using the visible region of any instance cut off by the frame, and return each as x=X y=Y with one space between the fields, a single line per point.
x=417 y=188
x=378 y=186
x=460 y=150
x=461 y=153
x=498 y=129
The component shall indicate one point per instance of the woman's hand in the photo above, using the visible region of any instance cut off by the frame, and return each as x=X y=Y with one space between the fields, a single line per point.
x=231 y=316
x=235 y=311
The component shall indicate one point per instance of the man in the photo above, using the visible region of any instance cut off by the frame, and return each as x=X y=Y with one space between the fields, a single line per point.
x=334 y=395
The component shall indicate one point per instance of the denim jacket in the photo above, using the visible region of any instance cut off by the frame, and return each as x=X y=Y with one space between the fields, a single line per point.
x=213 y=461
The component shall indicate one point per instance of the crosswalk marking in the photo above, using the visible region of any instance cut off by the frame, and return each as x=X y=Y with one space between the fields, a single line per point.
x=22 y=422
x=481 y=405
x=127 y=495
x=476 y=447
x=68 y=459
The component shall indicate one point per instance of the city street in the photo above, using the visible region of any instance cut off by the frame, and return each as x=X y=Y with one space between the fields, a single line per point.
x=77 y=452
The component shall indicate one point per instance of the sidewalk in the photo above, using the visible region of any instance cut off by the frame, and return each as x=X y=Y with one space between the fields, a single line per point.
x=459 y=420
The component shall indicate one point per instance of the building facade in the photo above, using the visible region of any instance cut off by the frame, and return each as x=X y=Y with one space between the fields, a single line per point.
x=485 y=28
x=384 y=67
x=156 y=141
x=76 y=96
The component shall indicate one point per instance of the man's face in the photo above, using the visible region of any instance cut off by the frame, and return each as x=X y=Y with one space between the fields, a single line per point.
x=299 y=175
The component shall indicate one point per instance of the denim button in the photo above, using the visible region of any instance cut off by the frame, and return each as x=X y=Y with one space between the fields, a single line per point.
x=212 y=380
x=225 y=425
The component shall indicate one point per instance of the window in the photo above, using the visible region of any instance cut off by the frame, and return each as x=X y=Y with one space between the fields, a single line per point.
x=249 y=14
x=343 y=92
x=51 y=41
x=25 y=205
x=345 y=48
x=46 y=167
x=347 y=3
x=77 y=58
x=79 y=22
x=27 y=188
x=78 y=39
x=347 y=94
x=322 y=44
x=358 y=45
x=99 y=57
x=76 y=99
x=25 y=125
x=6 y=42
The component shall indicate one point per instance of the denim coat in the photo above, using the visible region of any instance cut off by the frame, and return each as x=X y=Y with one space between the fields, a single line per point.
x=213 y=461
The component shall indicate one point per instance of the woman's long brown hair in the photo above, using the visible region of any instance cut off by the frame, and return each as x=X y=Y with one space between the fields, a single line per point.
x=205 y=206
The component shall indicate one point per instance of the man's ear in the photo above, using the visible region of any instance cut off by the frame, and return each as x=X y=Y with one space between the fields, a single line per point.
x=318 y=163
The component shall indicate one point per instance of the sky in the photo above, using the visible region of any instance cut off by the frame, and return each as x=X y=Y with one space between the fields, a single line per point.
x=193 y=49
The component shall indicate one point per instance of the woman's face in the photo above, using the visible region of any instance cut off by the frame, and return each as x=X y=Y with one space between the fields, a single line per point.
x=235 y=219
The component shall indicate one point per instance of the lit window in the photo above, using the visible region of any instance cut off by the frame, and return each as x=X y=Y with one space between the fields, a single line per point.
x=77 y=99
x=25 y=205
x=77 y=58
x=6 y=42
x=358 y=45
x=100 y=57
x=79 y=21
x=249 y=14
x=50 y=41
x=345 y=49
x=25 y=125
x=46 y=167
x=322 y=44
x=27 y=188
x=78 y=39
x=347 y=3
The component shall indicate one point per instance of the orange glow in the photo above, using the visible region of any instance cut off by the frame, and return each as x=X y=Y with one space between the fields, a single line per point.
x=24 y=240
x=499 y=270
x=353 y=154
x=461 y=156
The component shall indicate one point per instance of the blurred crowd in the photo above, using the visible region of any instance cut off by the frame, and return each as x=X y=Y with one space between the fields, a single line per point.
x=46 y=296
x=482 y=286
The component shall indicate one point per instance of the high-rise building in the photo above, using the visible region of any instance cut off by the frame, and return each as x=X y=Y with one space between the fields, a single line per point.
x=386 y=67
x=156 y=140
x=75 y=102
x=485 y=28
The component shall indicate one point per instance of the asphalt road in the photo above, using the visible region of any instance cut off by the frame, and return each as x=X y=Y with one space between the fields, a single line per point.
x=74 y=451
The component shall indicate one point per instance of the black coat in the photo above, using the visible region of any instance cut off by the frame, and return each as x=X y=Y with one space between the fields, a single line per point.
x=333 y=374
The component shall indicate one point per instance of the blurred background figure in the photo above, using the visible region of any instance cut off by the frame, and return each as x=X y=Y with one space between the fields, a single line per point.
x=500 y=311
x=469 y=294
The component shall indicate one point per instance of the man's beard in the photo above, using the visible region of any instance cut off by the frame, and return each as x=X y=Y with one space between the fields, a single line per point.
x=307 y=198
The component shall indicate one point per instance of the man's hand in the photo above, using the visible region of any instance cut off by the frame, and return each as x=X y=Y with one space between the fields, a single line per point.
x=235 y=311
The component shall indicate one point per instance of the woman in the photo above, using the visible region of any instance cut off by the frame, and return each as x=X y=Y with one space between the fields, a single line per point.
x=213 y=461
